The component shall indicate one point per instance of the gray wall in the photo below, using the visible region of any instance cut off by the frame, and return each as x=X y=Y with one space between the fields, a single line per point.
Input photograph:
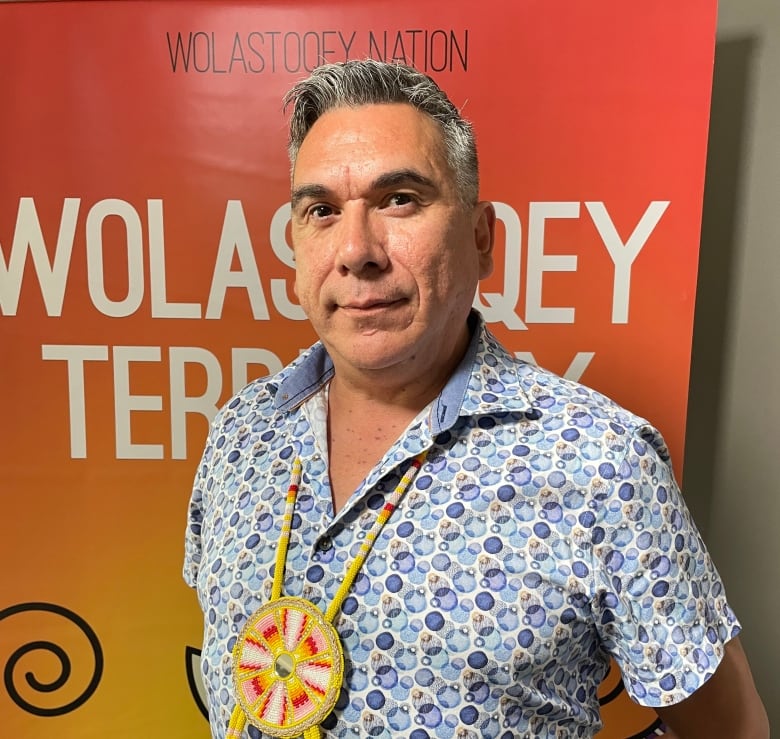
x=733 y=437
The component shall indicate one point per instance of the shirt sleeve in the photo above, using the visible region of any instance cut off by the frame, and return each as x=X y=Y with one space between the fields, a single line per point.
x=659 y=602
x=193 y=545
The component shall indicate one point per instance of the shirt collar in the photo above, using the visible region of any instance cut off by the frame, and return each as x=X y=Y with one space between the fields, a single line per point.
x=485 y=381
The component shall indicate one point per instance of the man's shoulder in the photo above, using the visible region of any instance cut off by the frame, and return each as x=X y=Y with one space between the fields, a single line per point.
x=549 y=393
x=555 y=393
x=570 y=411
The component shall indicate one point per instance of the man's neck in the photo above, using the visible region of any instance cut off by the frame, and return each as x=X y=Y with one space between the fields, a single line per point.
x=409 y=386
x=369 y=411
x=361 y=429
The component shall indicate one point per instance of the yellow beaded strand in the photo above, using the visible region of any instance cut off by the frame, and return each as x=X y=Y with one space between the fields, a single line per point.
x=368 y=542
x=237 y=723
x=284 y=537
x=238 y=718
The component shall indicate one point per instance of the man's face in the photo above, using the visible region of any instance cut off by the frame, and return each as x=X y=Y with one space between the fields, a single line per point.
x=388 y=258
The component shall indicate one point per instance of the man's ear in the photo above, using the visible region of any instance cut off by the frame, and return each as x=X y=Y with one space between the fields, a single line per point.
x=295 y=274
x=484 y=221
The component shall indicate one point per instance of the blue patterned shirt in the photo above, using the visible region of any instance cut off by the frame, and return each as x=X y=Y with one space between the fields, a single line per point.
x=543 y=535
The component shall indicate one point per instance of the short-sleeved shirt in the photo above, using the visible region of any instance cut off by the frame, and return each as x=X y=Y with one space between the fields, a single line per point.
x=543 y=535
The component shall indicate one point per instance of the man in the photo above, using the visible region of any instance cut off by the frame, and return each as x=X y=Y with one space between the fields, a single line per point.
x=533 y=527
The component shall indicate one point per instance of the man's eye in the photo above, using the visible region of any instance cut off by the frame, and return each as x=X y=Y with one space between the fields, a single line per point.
x=320 y=211
x=400 y=198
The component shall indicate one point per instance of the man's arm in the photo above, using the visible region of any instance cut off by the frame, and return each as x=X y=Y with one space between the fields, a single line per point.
x=727 y=705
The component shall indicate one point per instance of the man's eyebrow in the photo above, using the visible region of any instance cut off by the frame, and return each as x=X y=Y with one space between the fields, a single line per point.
x=304 y=192
x=401 y=178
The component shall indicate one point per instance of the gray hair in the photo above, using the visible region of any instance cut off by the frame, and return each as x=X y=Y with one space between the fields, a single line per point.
x=367 y=82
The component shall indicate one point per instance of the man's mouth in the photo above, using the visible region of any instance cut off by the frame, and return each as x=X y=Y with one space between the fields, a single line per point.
x=370 y=304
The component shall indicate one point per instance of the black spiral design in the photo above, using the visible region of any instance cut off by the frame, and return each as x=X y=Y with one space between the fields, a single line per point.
x=9 y=671
x=191 y=666
x=614 y=693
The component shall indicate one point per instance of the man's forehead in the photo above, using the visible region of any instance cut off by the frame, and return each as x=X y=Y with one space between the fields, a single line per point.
x=356 y=137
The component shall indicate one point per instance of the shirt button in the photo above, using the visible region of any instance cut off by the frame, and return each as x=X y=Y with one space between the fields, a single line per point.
x=325 y=544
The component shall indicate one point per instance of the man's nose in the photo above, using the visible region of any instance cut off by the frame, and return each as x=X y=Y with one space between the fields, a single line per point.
x=361 y=244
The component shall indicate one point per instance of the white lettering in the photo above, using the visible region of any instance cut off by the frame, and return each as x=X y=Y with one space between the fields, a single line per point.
x=623 y=255
x=235 y=264
x=161 y=308
x=125 y=402
x=133 y=255
x=75 y=355
x=539 y=262
x=52 y=274
x=284 y=253
x=197 y=382
x=235 y=240
x=204 y=404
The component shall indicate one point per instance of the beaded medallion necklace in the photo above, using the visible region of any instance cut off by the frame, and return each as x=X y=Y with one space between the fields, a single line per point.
x=288 y=662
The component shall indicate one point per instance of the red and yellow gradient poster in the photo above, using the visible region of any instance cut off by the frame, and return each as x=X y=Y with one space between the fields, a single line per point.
x=146 y=273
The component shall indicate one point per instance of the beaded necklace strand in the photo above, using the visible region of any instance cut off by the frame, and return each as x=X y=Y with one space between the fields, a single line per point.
x=288 y=662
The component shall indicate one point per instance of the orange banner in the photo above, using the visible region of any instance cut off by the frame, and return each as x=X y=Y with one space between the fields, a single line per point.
x=146 y=274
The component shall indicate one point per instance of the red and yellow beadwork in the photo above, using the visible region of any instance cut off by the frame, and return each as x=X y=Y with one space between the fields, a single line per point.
x=287 y=667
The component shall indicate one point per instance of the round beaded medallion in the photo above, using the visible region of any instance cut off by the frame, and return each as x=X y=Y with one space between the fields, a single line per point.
x=288 y=666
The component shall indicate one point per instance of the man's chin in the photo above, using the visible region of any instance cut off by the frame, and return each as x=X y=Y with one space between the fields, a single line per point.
x=372 y=349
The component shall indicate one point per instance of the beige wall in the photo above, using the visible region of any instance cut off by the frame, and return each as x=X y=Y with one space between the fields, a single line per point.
x=734 y=419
